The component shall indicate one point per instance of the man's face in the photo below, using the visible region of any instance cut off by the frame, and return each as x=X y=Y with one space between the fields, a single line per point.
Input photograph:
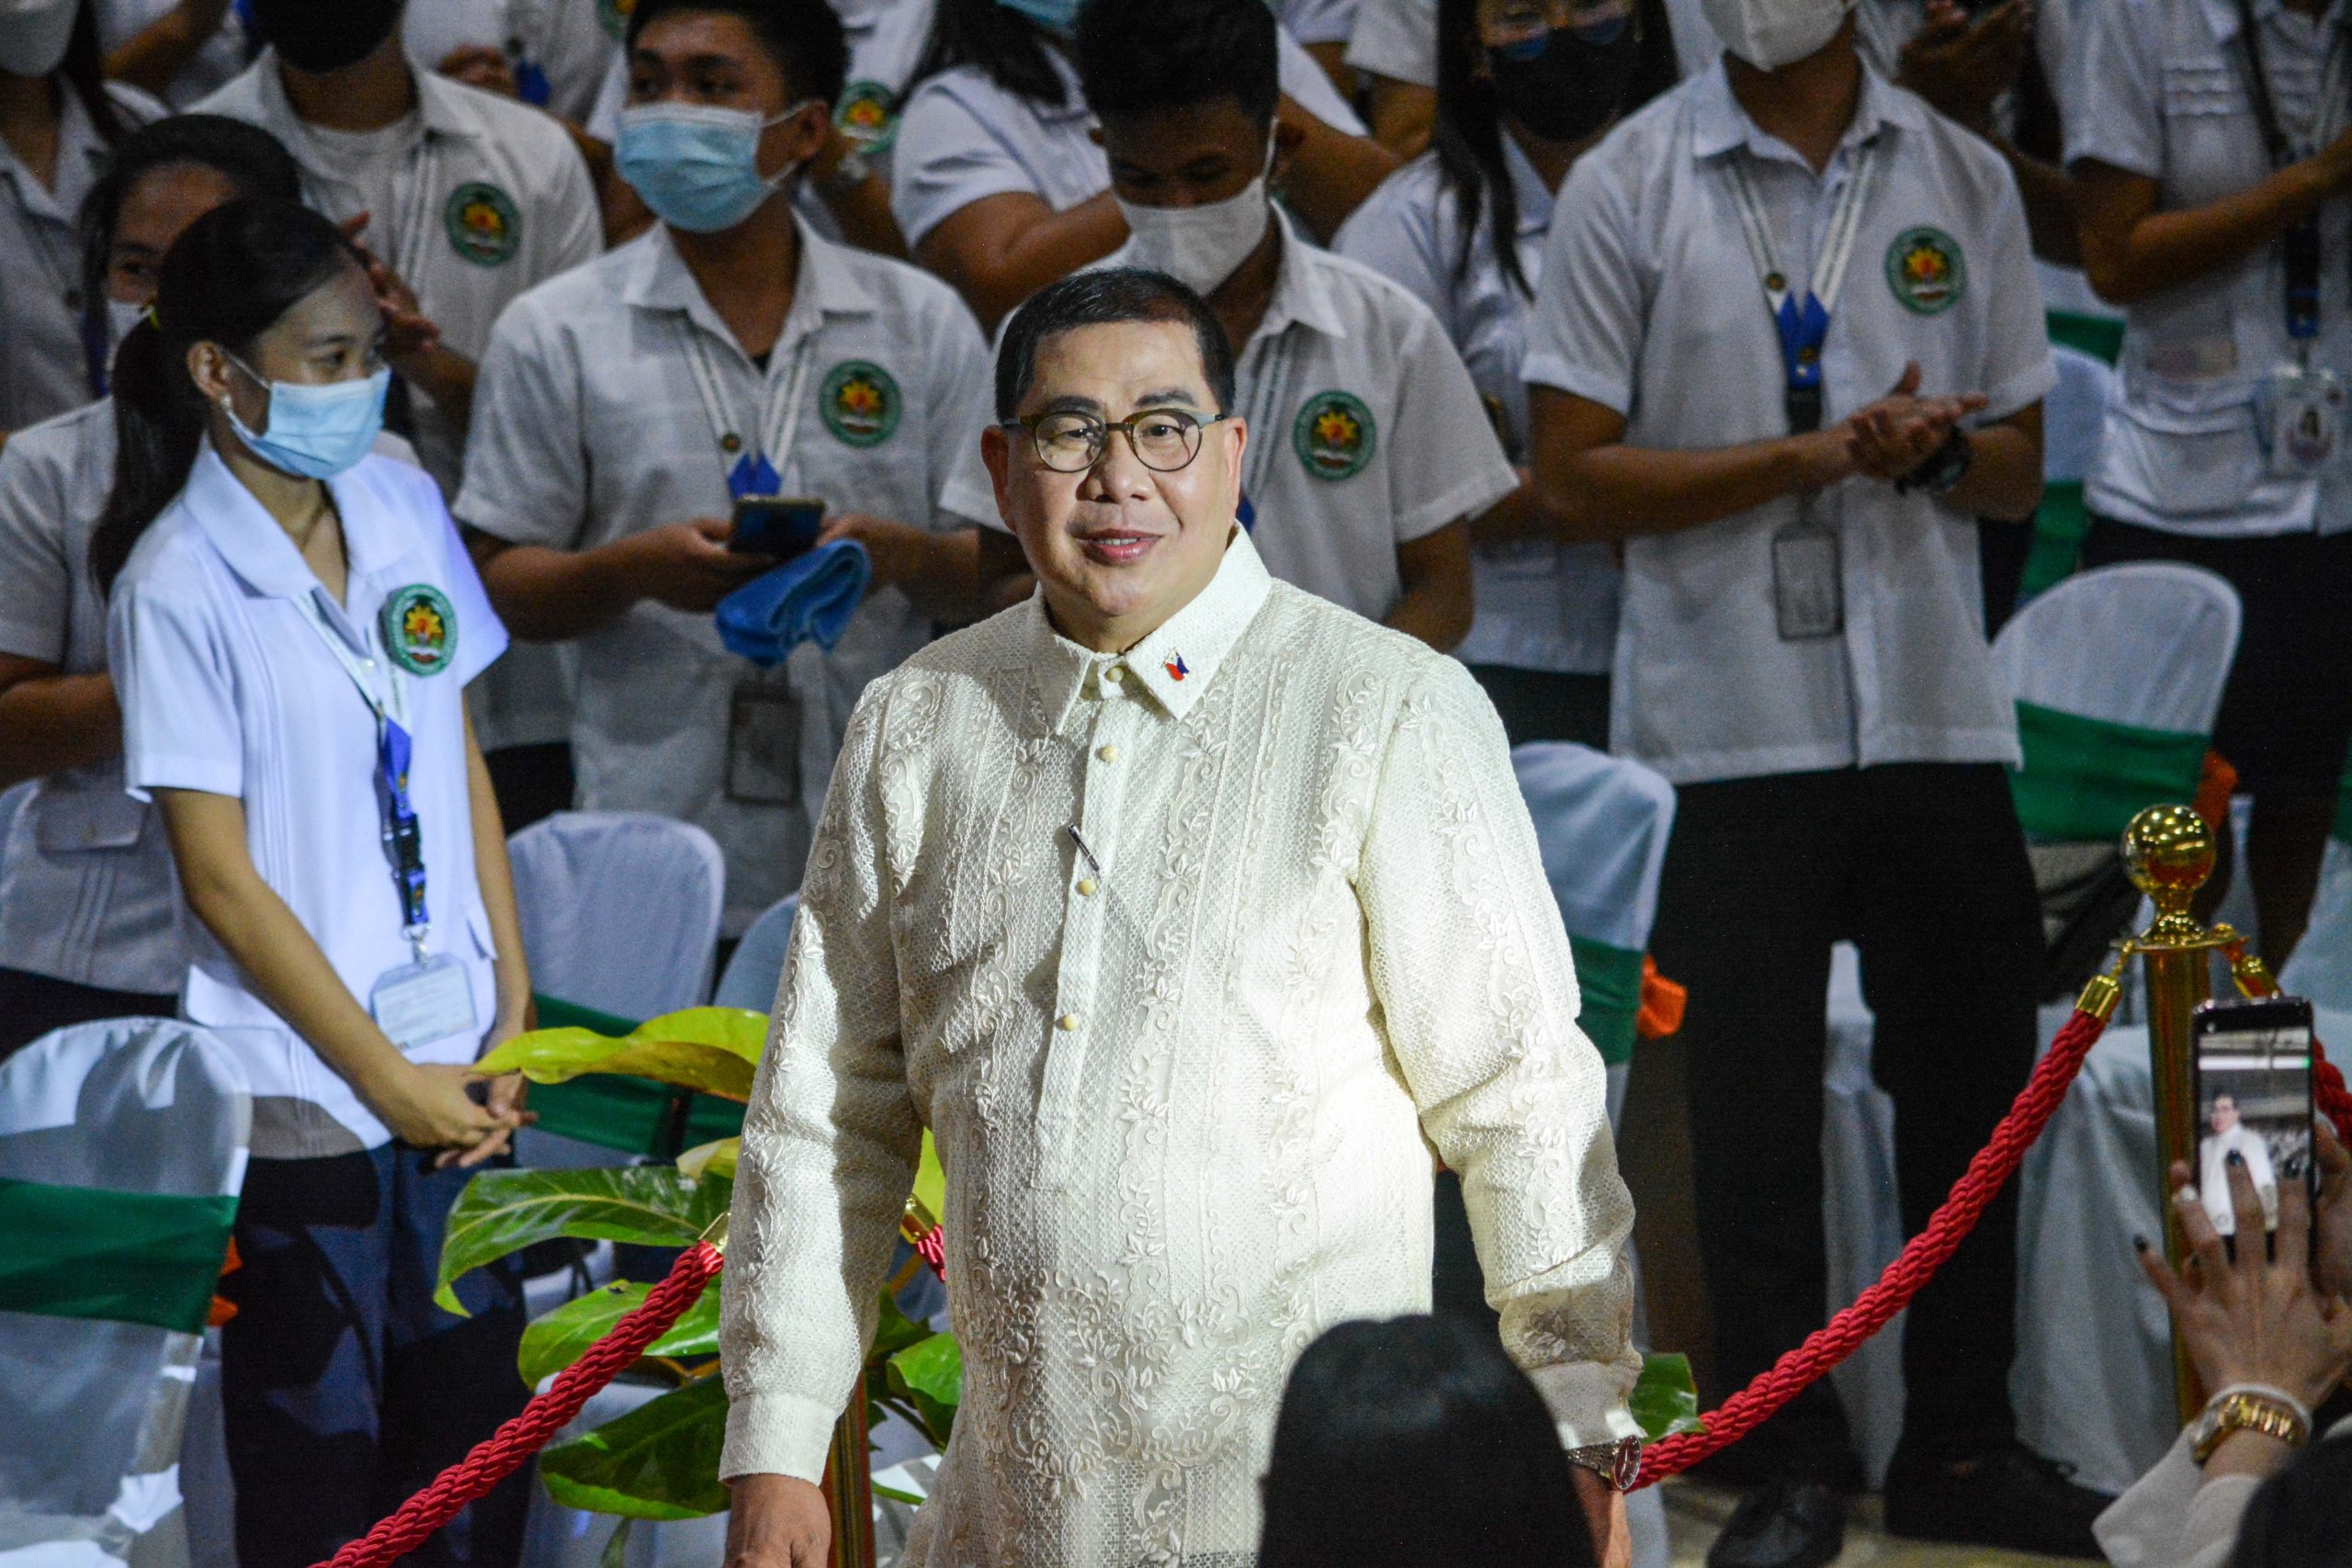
x=1186 y=157
x=1119 y=547
x=2225 y=1113
x=714 y=59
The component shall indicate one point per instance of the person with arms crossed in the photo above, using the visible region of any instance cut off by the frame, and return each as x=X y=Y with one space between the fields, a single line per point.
x=1789 y=348
x=1188 y=912
x=90 y=916
x=1375 y=448
x=291 y=623
x=730 y=352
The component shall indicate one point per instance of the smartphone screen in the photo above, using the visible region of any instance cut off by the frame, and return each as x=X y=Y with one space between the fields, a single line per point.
x=779 y=526
x=2254 y=1099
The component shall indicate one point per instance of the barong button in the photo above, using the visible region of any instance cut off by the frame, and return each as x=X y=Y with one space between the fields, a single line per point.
x=1109 y=753
x=1070 y=1023
x=1114 y=674
x=1088 y=887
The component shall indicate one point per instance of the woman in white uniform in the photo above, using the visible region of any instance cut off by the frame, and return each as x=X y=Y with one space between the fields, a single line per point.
x=291 y=625
x=90 y=916
x=59 y=122
x=1523 y=87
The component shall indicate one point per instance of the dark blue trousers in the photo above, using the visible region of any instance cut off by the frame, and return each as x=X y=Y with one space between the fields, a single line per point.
x=345 y=1388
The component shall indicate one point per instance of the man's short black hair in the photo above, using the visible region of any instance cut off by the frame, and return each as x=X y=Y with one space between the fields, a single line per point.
x=1141 y=57
x=803 y=36
x=1104 y=298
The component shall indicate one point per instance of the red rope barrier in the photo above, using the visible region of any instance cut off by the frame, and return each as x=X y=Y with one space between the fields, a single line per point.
x=504 y=1451
x=1871 y=1311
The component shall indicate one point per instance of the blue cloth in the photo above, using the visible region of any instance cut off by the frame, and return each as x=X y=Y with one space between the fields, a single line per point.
x=812 y=597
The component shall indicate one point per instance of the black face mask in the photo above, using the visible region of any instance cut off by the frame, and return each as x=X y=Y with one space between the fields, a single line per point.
x=1571 y=83
x=319 y=36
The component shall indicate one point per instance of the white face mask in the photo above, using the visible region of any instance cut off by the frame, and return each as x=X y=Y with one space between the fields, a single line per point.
x=1200 y=247
x=33 y=35
x=1768 y=34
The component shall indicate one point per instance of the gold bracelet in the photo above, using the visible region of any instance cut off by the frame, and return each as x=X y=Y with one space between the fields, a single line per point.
x=2242 y=1411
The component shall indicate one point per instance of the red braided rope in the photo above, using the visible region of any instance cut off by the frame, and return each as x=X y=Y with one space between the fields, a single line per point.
x=1871 y=1311
x=504 y=1451
x=2327 y=1080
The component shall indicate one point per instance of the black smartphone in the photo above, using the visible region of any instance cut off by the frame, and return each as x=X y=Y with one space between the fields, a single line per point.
x=2253 y=1100
x=779 y=526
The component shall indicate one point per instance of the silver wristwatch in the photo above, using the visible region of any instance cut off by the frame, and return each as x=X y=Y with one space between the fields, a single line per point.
x=1618 y=1463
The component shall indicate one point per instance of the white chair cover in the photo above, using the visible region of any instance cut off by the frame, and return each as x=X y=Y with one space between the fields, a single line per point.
x=757 y=966
x=2321 y=966
x=90 y=1445
x=2146 y=645
x=12 y=800
x=558 y=1536
x=2073 y=411
x=620 y=911
x=1602 y=824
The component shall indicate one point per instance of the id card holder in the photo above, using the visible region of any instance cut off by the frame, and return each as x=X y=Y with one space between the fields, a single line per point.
x=419 y=1003
x=764 y=746
x=2304 y=423
x=1808 y=596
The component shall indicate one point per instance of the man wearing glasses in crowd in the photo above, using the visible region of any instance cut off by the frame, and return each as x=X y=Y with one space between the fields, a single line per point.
x=1188 y=912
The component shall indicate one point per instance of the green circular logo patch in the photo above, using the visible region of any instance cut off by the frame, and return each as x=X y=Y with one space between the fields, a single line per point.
x=1334 y=435
x=419 y=629
x=868 y=115
x=860 y=403
x=1925 y=268
x=614 y=14
x=485 y=226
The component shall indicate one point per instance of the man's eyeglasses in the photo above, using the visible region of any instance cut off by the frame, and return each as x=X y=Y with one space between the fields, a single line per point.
x=1164 y=440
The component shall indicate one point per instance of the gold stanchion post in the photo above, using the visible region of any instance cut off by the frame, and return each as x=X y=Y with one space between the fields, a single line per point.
x=849 y=1487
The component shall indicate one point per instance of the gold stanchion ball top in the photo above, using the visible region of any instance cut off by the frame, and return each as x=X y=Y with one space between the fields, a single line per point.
x=2169 y=853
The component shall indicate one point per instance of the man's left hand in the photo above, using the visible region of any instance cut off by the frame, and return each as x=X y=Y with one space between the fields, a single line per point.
x=1961 y=65
x=1604 y=1511
x=897 y=551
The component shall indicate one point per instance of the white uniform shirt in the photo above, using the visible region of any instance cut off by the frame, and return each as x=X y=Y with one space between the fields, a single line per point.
x=1652 y=307
x=87 y=889
x=488 y=199
x=1397 y=39
x=227 y=687
x=1542 y=605
x=44 y=366
x=1186 y=1096
x=1319 y=21
x=1365 y=432
x=559 y=44
x=2162 y=93
x=962 y=139
x=221 y=57
x=590 y=428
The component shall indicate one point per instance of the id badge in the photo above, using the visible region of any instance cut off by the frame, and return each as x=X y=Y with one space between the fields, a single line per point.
x=2305 y=429
x=419 y=1003
x=764 y=746
x=1807 y=594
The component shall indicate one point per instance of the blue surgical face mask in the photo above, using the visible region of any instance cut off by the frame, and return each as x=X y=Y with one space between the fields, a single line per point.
x=1058 y=17
x=316 y=431
x=697 y=166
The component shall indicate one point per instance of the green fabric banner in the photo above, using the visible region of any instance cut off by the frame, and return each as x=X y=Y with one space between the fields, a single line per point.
x=2060 y=524
x=615 y=1110
x=124 y=1257
x=2083 y=778
x=1611 y=980
x=2101 y=337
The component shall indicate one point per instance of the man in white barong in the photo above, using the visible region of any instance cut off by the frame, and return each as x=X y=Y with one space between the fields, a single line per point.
x=1194 y=916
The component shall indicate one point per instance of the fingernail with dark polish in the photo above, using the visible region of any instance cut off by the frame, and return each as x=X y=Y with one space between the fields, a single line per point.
x=2138 y=1243
x=2236 y=1160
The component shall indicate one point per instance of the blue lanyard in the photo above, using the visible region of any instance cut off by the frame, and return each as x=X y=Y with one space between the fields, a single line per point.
x=402 y=834
x=1802 y=324
x=2299 y=246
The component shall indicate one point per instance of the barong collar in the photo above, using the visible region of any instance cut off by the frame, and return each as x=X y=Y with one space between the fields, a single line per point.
x=1175 y=664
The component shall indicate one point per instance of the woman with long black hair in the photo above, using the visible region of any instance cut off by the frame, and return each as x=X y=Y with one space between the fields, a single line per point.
x=1523 y=87
x=291 y=623
x=58 y=123
x=90 y=916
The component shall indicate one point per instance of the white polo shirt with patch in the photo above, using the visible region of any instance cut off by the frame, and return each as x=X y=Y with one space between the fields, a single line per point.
x=560 y=49
x=215 y=636
x=591 y=427
x=1651 y=306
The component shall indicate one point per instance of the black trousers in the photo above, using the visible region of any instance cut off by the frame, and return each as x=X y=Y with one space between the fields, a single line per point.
x=1544 y=705
x=1923 y=866
x=31 y=1005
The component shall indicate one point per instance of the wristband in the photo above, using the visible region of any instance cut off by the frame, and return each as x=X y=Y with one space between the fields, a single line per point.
x=2248 y=1407
x=1940 y=471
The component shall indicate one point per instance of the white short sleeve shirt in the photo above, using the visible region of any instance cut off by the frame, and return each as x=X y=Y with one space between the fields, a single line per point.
x=962 y=139
x=589 y=427
x=1651 y=307
x=1542 y=605
x=228 y=688
x=87 y=889
x=2162 y=93
x=221 y=57
x=561 y=50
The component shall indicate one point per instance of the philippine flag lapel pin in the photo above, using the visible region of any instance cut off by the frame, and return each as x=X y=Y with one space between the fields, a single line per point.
x=1175 y=666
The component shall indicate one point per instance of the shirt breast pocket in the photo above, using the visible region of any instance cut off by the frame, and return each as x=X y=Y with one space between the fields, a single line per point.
x=2198 y=89
x=83 y=820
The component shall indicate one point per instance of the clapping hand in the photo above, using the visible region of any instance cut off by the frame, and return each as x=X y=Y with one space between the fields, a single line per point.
x=1902 y=430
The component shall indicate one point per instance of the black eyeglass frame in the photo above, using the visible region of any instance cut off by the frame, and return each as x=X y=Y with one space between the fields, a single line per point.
x=1030 y=422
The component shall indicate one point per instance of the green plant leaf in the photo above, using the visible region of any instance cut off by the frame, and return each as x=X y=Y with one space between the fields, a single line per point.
x=931 y=1181
x=616 y=1552
x=894 y=1331
x=658 y=1462
x=553 y=1342
x=716 y=1158
x=930 y=1375
x=896 y=1496
x=504 y=1211
x=1666 y=1400
x=712 y=1050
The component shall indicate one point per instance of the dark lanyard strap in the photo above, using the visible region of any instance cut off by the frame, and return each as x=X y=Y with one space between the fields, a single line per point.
x=2298 y=247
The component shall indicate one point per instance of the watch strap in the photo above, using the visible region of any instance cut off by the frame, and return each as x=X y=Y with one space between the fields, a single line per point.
x=1618 y=1463
x=2248 y=1409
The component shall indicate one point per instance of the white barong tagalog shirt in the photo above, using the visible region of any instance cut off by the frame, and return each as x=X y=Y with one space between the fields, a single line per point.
x=1186 y=1066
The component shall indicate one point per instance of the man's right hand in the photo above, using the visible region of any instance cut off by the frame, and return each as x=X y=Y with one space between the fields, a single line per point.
x=777 y=1521
x=686 y=565
x=427 y=1105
